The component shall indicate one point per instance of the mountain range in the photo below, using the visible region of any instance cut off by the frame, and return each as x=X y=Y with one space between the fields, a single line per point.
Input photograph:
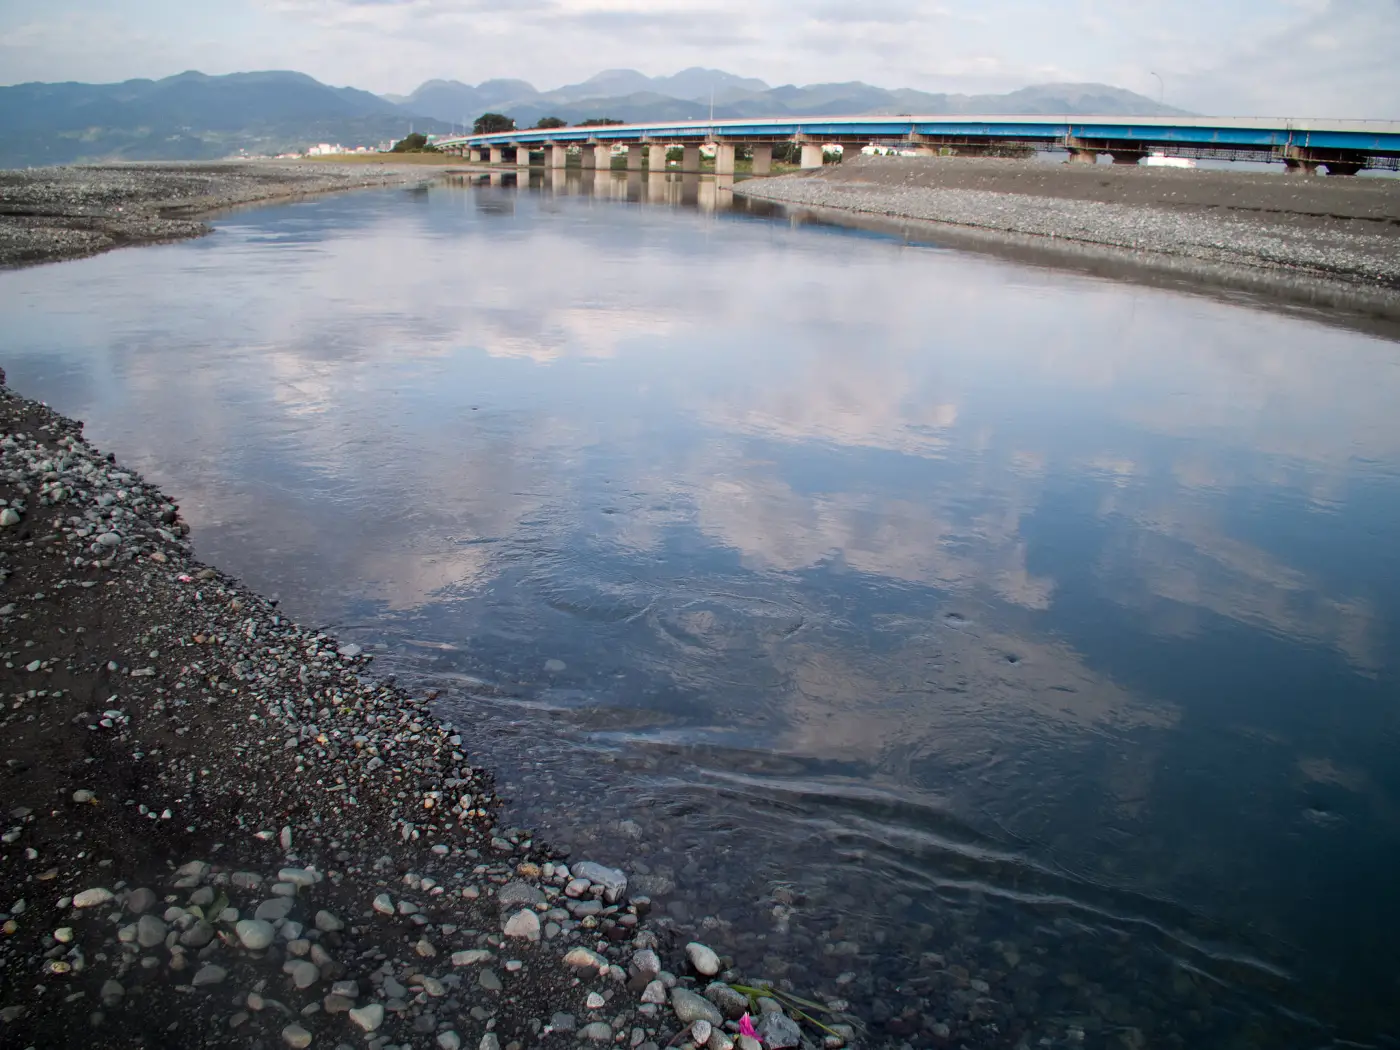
x=192 y=116
x=625 y=94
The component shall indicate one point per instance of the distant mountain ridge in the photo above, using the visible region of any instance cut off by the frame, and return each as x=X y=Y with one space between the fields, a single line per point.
x=626 y=94
x=192 y=116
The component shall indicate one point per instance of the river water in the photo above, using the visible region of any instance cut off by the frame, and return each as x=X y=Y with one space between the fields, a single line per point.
x=1008 y=652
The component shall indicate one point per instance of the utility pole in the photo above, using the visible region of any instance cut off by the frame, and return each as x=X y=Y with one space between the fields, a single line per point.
x=1161 y=87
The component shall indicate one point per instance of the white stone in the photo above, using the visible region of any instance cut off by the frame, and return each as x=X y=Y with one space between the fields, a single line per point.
x=523 y=924
x=449 y=1040
x=92 y=898
x=255 y=934
x=471 y=956
x=368 y=1017
x=297 y=1037
x=704 y=959
x=700 y=1032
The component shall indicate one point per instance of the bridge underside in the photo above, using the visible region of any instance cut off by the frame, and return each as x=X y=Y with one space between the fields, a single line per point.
x=810 y=150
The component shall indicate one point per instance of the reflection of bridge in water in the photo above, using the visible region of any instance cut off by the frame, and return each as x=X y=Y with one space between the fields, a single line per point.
x=675 y=189
x=1343 y=147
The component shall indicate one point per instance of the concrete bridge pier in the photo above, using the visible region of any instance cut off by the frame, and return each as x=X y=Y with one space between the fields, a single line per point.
x=762 y=160
x=656 y=157
x=1295 y=166
x=1121 y=156
x=498 y=155
x=635 y=154
x=522 y=156
x=724 y=159
x=558 y=157
x=690 y=158
x=812 y=155
x=1083 y=156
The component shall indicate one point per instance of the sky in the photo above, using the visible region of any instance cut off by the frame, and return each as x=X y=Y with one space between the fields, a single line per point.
x=1317 y=58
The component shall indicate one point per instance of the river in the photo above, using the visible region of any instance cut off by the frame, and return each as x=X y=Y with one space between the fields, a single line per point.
x=1008 y=651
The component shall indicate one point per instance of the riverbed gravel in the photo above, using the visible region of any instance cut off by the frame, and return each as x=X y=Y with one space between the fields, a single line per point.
x=220 y=828
x=1275 y=228
x=50 y=214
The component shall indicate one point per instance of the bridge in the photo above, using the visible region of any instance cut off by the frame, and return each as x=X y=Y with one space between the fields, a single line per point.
x=1343 y=147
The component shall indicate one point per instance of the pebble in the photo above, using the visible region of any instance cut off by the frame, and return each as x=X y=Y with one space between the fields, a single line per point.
x=208 y=974
x=613 y=880
x=597 y=1032
x=92 y=898
x=83 y=796
x=777 y=1031
x=297 y=1037
x=595 y=1001
x=368 y=1017
x=255 y=934
x=139 y=901
x=471 y=956
x=449 y=1040
x=274 y=909
x=150 y=931
x=705 y=961
x=690 y=1007
x=524 y=925
x=731 y=1003
x=646 y=964
x=700 y=1032
x=303 y=974
x=8 y=517
x=655 y=992
x=516 y=893
x=584 y=959
x=383 y=904
x=328 y=923
x=111 y=993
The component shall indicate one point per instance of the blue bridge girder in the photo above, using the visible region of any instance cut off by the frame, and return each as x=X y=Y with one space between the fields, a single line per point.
x=1305 y=140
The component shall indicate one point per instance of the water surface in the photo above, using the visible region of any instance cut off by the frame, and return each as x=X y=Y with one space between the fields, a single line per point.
x=907 y=619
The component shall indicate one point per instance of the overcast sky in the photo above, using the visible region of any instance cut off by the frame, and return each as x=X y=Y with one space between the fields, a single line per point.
x=1273 y=57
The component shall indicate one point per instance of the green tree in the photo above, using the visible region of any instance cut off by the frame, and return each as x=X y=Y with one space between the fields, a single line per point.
x=492 y=123
x=600 y=122
x=551 y=122
x=414 y=143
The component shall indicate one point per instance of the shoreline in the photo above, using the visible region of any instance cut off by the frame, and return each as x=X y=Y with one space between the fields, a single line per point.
x=220 y=828
x=1311 y=242
x=54 y=214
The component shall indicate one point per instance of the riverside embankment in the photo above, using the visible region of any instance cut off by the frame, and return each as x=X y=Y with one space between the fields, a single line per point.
x=1325 y=241
x=50 y=214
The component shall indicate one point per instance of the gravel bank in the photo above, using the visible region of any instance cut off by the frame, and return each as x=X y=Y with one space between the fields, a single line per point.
x=1326 y=240
x=48 y=214
x=219 y=830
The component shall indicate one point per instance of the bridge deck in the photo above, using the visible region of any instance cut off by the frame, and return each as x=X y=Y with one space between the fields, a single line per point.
x=1368 y=137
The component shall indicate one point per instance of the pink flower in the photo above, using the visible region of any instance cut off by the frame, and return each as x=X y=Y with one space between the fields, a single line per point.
x=746 y=1027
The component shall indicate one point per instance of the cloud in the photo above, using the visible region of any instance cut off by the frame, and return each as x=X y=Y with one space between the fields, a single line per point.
x=1283 y=57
